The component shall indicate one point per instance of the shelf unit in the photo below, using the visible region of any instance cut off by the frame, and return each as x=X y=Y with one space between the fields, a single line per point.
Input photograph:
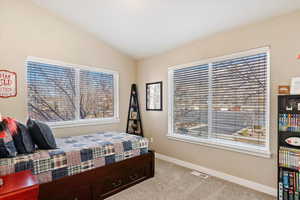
x=288 y=125
x=134 y=122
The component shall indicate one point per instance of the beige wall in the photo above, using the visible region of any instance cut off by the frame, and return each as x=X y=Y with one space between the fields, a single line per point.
x=282 y=35
x=28 y=30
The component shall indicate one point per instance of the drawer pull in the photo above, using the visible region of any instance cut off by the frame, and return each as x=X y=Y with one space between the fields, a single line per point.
x=117 y=184
x=133 y=177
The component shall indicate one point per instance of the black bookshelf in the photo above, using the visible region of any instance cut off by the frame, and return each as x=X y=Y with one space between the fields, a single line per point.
x=288 y=125
x=134 y=122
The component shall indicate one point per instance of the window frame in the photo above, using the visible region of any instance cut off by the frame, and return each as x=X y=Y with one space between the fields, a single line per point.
x=214 y=142
x=80 y=122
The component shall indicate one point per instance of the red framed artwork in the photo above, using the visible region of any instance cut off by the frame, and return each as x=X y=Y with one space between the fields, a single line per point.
x=8 y=84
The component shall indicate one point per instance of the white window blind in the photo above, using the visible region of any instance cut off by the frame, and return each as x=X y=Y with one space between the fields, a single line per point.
x=190 y=101
x=223 y=102
x=239 y=95
x=96 y=95
x=59 y=93
x=51 y=92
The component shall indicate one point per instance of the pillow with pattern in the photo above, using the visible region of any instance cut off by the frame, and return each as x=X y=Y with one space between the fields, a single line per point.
x=7 y=146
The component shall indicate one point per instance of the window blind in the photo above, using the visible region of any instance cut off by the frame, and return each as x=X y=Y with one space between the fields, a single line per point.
x=60 y=93
x=51 y=92
x=96 y=95
x=190 y=100
x=225 y=100
x=239 y=95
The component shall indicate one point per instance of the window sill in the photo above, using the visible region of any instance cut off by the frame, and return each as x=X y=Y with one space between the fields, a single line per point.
x=86 y=122
x=221 y=144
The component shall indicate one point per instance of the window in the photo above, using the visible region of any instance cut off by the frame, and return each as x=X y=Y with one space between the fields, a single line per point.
x=63 y=94
x=222 y=102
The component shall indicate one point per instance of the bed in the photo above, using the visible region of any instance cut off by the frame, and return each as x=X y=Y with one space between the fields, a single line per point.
x=92 y=166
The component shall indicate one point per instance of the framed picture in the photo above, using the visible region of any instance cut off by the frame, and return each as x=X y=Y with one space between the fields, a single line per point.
x=154 y=96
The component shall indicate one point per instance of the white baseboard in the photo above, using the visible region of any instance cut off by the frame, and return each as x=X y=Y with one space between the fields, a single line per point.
x=240 y=181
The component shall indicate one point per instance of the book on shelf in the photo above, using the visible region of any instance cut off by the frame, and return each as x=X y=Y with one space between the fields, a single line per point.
x=280 y=186
x=289 y=122
x=289 y=157
x=289 y=187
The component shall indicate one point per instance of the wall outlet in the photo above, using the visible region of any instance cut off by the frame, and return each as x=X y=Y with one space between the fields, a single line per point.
x=151 y=140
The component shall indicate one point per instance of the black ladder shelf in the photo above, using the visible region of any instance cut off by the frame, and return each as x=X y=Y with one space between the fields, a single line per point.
x=134 y=122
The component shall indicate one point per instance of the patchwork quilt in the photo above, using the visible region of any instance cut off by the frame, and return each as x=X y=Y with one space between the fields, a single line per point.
x=76 y=154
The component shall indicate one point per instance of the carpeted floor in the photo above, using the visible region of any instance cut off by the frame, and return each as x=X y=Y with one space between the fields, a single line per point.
x=172 y=182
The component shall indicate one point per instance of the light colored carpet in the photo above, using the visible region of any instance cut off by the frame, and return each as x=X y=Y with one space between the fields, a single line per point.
x=172 y=182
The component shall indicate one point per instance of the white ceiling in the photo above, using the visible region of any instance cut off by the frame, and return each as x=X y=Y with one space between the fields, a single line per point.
x=142 y=28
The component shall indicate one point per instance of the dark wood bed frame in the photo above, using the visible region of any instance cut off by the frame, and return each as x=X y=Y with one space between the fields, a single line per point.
x=102 y=182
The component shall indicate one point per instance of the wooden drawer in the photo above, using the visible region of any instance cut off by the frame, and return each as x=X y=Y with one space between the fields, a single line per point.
x=76 y=193
x=126 y=177
x=108 y=185
x=136 y=174
x=102 y=182
x=76 y=187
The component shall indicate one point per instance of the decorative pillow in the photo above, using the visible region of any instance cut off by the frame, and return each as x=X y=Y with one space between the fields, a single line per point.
x=7 y=146
x=41 y=134
x=23 y=140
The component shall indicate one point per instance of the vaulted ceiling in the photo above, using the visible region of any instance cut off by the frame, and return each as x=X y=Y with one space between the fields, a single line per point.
x=143 y=28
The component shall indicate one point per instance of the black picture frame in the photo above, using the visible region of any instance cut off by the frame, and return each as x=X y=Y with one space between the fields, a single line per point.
x=158 y=106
